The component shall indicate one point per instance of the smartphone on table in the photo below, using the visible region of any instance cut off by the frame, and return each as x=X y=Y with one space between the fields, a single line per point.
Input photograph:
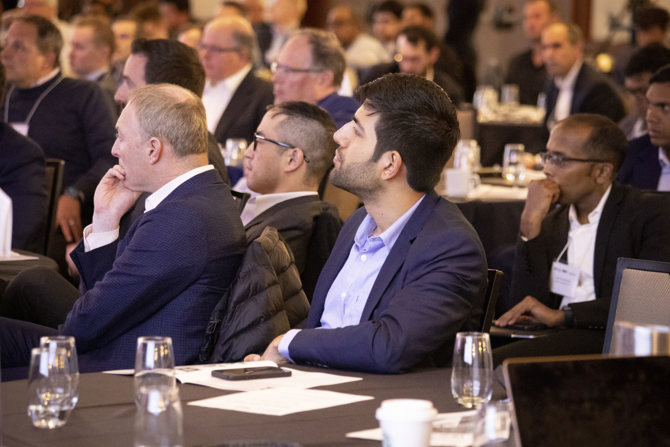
x=261 y=372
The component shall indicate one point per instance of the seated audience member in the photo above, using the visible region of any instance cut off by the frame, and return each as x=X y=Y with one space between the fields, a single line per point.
x=165 y=277
x=527 y=68
x=69 y=118
x=575 y=225
x=124 y=29
x=647 y=163
x=22 y=179
x=361 y=50
x=386 y=23
x=310 y=67
x=91 y=52
x=235 y=98
x=650 y=26
x=149 y=21
x=159 y=61
x=292 y=151
x=284 y=19
x=641 y=66
x=176 y=15
x=420 y=13
x=418 y=49
x=407 y=271
x=575 y=86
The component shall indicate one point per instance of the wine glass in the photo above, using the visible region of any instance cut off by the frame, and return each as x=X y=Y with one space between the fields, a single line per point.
x=472 y=369
x=514 y=170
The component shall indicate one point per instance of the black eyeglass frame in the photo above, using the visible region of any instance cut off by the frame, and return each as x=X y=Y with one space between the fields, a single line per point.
x=561 y=160
x=283 y=145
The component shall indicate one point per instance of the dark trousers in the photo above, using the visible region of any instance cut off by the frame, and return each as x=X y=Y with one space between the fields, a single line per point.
x=39 y=295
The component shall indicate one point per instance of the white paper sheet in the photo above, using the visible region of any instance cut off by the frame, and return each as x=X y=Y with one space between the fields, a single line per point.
x=279 y=401
x=449 y=429
x=14 y=256
x=202 y=375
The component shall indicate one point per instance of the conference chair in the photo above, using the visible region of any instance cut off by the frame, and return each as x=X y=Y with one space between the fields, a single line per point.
x=495 y=280
x=54 y=182
x=641 y=295
x=326 y=228
x=265 y=300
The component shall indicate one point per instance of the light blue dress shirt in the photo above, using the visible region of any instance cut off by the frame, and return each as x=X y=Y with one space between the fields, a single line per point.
x=349 y=292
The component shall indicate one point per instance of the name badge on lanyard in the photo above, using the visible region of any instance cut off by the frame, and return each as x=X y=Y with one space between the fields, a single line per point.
x=564 y=279
x=21 y=128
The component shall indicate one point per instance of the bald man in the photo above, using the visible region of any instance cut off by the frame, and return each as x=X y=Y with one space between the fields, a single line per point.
x=235 y=99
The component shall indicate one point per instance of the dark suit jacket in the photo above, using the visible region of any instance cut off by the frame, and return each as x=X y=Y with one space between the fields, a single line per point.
x=164 y=278
x=245 y=110
x=641 y=167
x=634 y=224
x=430 y=287
x=22 y=179
x=295 y=220
x=531 y=80
x=593 y=93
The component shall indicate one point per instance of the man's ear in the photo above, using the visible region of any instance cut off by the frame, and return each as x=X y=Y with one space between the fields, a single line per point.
x=326 y=78
x=155 y=150
x=391 y=164
x=296 y=158
x=604 y=172
x=434 y=54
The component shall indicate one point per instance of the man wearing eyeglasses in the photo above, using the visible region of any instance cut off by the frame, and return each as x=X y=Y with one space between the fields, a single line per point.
x=292 y=150
x=310 y=67
x=647 y=163
x=234 y=97
x=575 y=225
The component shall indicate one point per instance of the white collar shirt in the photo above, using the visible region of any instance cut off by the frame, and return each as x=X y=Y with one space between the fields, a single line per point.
x=664 y=179
x=581 y=250
x=216 y=98
x=566 y=88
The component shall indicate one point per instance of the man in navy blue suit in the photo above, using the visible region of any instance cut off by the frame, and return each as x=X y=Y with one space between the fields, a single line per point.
x=647 y=163
x=166 y=275
x=407 y=271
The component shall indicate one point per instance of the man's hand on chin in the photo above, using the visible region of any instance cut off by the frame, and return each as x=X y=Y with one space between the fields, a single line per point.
x=112 y=199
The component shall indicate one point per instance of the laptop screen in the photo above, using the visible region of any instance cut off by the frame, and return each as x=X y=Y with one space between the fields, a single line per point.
x=589 y=400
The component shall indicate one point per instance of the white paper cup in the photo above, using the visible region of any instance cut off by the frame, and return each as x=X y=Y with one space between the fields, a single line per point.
x=406 y=422
x=460 y=182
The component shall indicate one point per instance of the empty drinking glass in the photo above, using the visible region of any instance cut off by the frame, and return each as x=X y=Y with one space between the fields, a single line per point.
x=52 y=387
x=159 y=414
x=514 y=170
x=472 y=369
x=233 y=154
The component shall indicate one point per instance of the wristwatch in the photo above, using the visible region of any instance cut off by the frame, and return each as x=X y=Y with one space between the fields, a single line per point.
x=75 y=192
x=569 y=316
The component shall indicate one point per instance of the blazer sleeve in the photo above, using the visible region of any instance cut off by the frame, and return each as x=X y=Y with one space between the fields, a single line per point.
x=147 y=274
x=427 y=301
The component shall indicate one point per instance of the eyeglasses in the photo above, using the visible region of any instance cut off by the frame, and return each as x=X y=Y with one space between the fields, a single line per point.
x=275 y=142
x=216 y=49
x=560 y=161
x=637 y=91
x=276 y=67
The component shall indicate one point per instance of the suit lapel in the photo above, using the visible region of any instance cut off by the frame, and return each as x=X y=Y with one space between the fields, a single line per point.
x=234 y=108
x=604 y=232
x=396 y=257
x=578 y=90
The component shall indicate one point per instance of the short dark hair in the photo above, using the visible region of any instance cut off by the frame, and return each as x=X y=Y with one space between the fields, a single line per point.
x=550 y=3
x=171 y=62
x=180 y=5
x=647 y=59
x=415 y=34
x=662 y=75
x=422 y=7
x=651 y=17
x=310 y=128
x=605 y=141
x=391 y=6
x=49 y=38
x=240 y=7
x=417 y=119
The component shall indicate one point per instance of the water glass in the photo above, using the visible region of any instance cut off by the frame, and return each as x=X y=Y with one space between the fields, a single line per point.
x=472 y=369
x=159 y=414
x=52 y=387
x=493 y=424
x=233 y=154
x=509 y=94
x=67 y=343
x=514 y=170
